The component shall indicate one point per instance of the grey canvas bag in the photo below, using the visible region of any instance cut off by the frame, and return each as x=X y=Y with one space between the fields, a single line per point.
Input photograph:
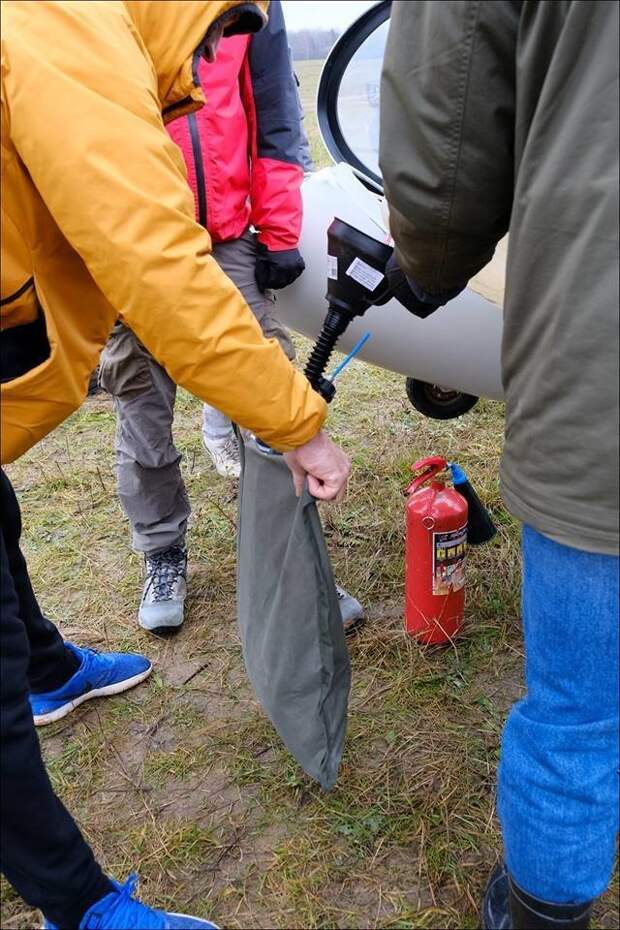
x=293 y=640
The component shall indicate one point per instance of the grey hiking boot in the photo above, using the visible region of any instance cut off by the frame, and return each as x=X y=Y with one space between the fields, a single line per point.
x=351 y=610
x=165 y=589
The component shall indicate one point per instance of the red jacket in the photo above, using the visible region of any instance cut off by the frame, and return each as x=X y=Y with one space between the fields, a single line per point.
x=244 y=149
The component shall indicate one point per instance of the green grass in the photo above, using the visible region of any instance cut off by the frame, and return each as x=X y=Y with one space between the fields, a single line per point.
x=308 y=73
x=185 y=781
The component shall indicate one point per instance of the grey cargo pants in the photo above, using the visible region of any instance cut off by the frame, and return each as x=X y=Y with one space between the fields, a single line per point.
x=150 y=486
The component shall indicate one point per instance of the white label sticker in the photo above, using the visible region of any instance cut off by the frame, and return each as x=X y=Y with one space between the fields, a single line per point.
x=332 y=267
x=364 y=274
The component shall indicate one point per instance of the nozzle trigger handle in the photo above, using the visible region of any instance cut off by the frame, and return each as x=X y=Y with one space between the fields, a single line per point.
x=432 y=465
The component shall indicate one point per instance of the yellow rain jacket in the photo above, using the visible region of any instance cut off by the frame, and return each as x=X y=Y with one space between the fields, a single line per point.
x=98 y=219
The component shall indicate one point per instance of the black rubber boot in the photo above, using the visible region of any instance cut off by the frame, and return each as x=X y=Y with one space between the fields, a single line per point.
x=495 y=912
x=505 y=906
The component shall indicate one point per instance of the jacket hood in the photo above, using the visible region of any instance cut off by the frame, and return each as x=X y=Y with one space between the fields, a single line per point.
x=175 y=32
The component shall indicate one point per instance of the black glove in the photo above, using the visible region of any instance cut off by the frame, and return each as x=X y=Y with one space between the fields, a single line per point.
x=413 y=298
x=277 y=269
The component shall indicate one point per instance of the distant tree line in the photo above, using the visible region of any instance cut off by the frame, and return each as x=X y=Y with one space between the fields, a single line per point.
x=311 y=43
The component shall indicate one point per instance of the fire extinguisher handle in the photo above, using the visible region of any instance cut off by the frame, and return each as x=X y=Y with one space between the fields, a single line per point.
x=432 y=465
x=437 y=462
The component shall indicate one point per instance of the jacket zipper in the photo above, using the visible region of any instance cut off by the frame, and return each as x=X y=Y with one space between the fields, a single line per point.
x=201 y=187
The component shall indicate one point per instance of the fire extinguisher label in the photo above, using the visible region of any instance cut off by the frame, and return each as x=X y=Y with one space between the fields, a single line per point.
x=449 y=560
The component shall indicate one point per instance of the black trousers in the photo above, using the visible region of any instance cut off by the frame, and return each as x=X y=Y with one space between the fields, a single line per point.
x=43 y=854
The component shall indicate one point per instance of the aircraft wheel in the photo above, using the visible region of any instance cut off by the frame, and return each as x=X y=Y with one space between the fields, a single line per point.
x=437 y=402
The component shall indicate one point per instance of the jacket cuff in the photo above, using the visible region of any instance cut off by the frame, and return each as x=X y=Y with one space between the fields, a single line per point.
x=275 y=243
x=438 y=299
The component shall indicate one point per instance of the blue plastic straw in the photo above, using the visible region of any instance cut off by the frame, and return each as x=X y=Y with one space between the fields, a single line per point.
x=343 y=364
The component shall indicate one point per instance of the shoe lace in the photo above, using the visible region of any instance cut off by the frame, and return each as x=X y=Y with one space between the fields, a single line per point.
x=163 y=569
x=89 y=659
x=123 y=911
x=230 y=450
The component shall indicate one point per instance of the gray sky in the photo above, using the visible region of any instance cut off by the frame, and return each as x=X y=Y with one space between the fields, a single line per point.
x=322 y=14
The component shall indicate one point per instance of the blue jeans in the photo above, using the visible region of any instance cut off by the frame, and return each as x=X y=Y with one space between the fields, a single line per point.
x=558 y=774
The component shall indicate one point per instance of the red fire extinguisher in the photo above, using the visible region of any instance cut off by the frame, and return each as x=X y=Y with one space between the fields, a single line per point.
x=435 y=555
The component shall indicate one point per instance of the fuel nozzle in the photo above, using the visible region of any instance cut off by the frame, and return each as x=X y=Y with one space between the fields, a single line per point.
x=355 y=281
x=356 y=269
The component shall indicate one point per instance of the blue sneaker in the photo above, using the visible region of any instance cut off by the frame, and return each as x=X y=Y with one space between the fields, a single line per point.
x=121 y=911
x=98 y=675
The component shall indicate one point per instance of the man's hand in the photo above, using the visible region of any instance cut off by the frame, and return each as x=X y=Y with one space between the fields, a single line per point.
x=275 y=270
x=324 y=464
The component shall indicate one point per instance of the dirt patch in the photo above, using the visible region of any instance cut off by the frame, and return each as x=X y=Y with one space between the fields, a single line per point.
x=501 y=683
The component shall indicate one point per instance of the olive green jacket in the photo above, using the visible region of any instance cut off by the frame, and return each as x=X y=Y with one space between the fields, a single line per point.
x=504 y=115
